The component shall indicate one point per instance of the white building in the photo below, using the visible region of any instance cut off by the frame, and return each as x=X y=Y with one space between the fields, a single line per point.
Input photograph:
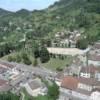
x=95 y=95
x=35 y=87
x=66 y=51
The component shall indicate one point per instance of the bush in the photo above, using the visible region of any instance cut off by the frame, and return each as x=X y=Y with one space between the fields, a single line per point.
x=26 y=59
x=59 y=69
x=35 y=63
x=10 y=59
x=44 y=55
x=18 y=58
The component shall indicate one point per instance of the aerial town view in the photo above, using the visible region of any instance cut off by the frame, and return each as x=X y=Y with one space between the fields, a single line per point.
x=49 y=49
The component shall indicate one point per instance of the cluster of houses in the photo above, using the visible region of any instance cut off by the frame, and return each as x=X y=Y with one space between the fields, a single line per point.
x=13 y=78
x=81 y=80
x=66 y=39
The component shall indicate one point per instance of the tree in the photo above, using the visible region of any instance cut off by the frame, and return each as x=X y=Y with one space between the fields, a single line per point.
x=53 y=91
x=11 y=58
x=18 y=58
x=36 y=52
x=44 y=55
x=82 y=43
x=8 y=96
x=35 y=63
x=26 y=59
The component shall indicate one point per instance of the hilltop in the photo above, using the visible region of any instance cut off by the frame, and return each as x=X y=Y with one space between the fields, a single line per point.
x=63 y=15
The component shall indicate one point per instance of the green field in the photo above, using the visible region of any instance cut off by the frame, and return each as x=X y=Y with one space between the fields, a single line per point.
x=53 y=63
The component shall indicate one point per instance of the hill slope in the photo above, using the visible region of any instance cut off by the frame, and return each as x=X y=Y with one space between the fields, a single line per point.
x=65 y=14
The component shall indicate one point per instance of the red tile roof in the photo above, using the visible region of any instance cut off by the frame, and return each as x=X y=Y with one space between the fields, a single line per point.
x=70 y=82
x=2 y=82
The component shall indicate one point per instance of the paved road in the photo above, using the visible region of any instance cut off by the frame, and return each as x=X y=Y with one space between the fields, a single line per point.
x=34 y=70
x=65 y=96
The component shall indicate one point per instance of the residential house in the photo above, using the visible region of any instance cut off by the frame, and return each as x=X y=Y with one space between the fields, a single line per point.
x=78 y=87
x=35 y=87
x=95 y=95
x=94 y=59
x=4 y=86
x=97 y=45
x=90 y=72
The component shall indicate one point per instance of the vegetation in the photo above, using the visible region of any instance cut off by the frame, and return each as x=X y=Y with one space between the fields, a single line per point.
x=56 y=63
x=35 y=63
x=44 y=55
x=77 y=14
x=26 y=59
x=82 y=43
x=53 y=93
x=30 y=31
x=8 y=96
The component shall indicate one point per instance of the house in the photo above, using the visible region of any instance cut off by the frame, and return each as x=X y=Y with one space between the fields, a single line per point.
x=94 y=59
x=35 y=87
x=58 y=78
x=79 y=87
x=74 y=68
x=4 y=86
x=66 y=51
x=97 y=45
x=90 y=72
x=7 y=65
x=95 y=95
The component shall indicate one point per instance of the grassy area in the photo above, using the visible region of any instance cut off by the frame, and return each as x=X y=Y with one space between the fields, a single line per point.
x=55 y=63
x=27 y=96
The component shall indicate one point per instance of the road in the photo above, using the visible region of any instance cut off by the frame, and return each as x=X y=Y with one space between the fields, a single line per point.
x=65 y=96
x=41 y=71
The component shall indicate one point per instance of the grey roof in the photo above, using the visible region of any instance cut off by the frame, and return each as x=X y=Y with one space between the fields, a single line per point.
x=18 y=79
x=5 y=88
x=36 y=84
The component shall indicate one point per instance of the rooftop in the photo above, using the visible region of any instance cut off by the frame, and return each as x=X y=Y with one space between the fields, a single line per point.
x=66 y=51
x=35 y=84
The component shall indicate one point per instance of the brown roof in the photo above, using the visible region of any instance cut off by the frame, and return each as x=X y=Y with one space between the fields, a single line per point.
x=94 y=57
x=4 y=86
x=89 y=81
x=90 y=69
x=70 y=82
x=7 y=64
x=2 y=82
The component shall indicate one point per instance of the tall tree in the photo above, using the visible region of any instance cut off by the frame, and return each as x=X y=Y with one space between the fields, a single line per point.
x=44 y=55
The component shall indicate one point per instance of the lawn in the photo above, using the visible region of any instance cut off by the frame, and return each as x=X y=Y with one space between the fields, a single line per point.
x=55 y=63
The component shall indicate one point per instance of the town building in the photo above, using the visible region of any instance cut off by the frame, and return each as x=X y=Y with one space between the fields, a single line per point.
x=79 y=87
x=4 y=86
x=35 y=87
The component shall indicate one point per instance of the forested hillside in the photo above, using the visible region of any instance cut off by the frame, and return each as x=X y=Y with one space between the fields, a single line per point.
x=63 y=15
